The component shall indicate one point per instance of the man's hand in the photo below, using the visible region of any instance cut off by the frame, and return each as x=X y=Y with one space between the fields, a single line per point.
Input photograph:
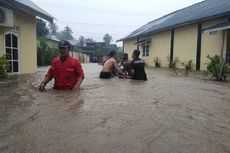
x=77 y=87
x=41 y=87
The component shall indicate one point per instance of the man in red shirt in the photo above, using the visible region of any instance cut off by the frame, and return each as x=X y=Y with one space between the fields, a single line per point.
x=66 y=70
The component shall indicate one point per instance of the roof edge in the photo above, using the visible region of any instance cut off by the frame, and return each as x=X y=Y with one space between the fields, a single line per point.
x=178 y=25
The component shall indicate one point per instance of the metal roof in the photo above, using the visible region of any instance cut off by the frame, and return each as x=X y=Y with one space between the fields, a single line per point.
x=28 y=7
x=205 y=10
x=34 y=6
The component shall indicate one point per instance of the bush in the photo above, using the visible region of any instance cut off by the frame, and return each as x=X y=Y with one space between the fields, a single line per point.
x=173 y=64
x=157 y=62
x=216 y=69
x=45 y=52
x=188 y=66
x=4 y=66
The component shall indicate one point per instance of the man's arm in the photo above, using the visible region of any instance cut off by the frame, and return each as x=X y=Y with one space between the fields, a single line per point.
x=80 y=74
x=77 y=86
x=119 y=70
x=48 y=78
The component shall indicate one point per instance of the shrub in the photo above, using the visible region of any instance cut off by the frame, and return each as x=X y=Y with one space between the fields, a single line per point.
x=157 y=62
x=173 y=64
x=216 y=69
x=4 y=66
x=188 y=66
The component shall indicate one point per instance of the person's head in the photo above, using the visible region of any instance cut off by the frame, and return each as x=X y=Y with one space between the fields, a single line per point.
x=136 y=54
x=112 y=54
x=125 y=56
x=64 y=48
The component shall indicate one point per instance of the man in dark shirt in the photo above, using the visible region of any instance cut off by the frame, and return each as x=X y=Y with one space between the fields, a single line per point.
x=137 y=67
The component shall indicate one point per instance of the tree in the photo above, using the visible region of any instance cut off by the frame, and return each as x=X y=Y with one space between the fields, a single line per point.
x=45 y=52
x=42 y=30
x=107 y=38
x=82 y=40
x=66 y=34
x=53 y=30
x=89 y=40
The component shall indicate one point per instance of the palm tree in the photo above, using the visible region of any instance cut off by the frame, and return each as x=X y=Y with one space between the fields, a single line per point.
x=82 y=40
x=107 y=38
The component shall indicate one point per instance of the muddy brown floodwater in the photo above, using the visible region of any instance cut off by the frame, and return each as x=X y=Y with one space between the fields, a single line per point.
x=166 y=114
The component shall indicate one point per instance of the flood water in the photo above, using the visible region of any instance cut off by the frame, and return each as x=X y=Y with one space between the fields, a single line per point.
x=166 y=114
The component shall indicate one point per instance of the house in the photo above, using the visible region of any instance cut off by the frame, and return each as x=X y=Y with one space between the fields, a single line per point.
x=18 y=33
x=191 y=33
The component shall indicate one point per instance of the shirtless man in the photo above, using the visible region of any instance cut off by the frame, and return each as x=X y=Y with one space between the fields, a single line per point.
x=109 y=65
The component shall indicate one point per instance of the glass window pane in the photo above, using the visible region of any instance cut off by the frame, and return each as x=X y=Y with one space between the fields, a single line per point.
x=15 y=54
x=15 y=66
x=8 y=40
x=10 y=67
x=9 y=54
x=15 y=41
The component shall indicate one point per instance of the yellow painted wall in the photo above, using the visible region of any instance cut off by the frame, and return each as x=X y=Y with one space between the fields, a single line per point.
x=129 y=47
x=83 y=58
x=27 y=42
x=185 y=43
x=211 y=44
x=159 y=47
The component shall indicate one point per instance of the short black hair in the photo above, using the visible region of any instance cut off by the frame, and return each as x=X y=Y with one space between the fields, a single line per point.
x=125 y=56
x=136 y=52
x=112 y=53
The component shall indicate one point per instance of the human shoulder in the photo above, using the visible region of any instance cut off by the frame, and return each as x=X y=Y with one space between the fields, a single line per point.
x=55 y=60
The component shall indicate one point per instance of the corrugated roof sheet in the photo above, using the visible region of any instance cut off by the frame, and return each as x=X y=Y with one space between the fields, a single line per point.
x=33 y=6
x=204 y=10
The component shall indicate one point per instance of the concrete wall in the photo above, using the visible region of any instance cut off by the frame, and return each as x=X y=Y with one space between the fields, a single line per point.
x=83 y=58
x=211 y=44
x=27 y=41
x=159 y=47
x=185 y=43
x=129 y=47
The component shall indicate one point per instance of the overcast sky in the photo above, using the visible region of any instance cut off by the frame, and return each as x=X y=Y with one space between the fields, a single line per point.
x=94 y=18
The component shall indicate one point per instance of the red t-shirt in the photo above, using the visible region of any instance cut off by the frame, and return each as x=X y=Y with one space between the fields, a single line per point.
x=65 y=74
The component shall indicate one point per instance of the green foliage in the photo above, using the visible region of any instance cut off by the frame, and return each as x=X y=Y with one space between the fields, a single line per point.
x=173 y=64
x=45 y=52
x=107 y=38
x=188 y=66
x=41 y=28
x=82 y=40
x=53 y=30
x=66 y=34
x=216 y=69
x=102 y=52
x=157 y=62
x=4 y=66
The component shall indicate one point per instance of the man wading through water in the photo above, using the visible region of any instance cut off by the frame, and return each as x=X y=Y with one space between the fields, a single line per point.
x=137 y=66
x=66 y=70
x=109 y=66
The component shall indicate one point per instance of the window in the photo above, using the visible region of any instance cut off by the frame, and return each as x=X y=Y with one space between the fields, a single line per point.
x=11 y=49
x=145 y=49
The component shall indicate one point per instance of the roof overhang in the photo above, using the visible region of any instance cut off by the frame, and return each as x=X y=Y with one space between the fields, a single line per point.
x=218 y=27
x=140 y=42
x=15 y=5
x=219 y=16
